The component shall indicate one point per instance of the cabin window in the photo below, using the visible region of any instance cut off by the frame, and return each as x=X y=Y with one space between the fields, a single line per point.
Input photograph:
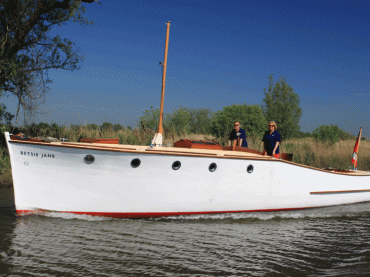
x=135 y=163
x=89 y=159
x=176 y=165
x=212 y=167
x=250 y=168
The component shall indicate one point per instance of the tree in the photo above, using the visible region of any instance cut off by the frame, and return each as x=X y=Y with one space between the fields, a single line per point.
x=303 y=135
x=281 y=104
x=92 y=126
x=190 y=121
x=343 y=135
x=106 y=126
x=327 y=133
x=27 y=49
x=331 y=133
x=179 y=121
x=200 y=121
x=5 y=117
x=150 y=119
x=250 y=117
x=117 y=127
x=75 y=127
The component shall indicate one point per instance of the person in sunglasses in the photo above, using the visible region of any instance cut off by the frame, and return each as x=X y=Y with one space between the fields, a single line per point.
x=239 y=135
x=271 y=140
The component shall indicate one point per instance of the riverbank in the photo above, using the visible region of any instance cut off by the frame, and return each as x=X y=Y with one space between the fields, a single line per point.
x=6 y=196
x=5 y=169
x=307 y=151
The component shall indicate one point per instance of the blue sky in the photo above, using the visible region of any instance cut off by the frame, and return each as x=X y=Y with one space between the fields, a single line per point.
x=220 y=53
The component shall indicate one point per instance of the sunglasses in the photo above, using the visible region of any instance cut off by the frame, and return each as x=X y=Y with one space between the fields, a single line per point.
x=236 y=125
x=271 y=125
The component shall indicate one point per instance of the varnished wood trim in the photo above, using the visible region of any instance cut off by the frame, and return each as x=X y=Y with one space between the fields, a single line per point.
x=103 y=141
x=178 y=152
x=241 y=149
x=96 y=146
x=75 y=145
x=198 y=144
x=252 y=158
x=340 y=191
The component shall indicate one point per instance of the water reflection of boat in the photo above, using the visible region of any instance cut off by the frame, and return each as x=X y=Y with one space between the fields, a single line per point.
x=8 y=224
x=194 y=177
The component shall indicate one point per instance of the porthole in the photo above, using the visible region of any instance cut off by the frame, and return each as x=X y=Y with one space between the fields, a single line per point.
x=212 y=167
x=176 y=165
x=89 y=159
x=250 y=168
x=135 y=163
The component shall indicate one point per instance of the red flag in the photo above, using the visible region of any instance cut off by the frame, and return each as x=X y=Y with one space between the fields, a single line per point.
x=355 y=150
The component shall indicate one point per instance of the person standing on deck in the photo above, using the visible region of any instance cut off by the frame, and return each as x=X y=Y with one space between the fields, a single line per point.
x=238 y=133
x=271 y=140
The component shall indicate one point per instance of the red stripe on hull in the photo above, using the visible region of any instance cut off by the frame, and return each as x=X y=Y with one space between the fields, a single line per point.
x=147 y=215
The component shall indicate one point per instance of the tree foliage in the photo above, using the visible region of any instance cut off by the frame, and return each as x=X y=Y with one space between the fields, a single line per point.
x=117 y=127
x=181 y=121
x=281 y=104
x=250 y=117
x=345 y=136
x=42 y=129
x=92 y=126
x=5 y=117
x=28 y=50
x=331 y=133
x=107 y=126
x=327 y=133
x=150 y=119
x=303 y=135
x=200 y=121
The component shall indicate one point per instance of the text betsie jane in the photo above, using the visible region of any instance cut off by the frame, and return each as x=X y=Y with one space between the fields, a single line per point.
x=32 y=154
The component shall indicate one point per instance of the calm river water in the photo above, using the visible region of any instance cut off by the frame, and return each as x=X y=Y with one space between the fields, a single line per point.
x=319 y=242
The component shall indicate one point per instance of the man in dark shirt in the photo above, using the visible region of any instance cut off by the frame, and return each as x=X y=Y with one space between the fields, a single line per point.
x=238 y=133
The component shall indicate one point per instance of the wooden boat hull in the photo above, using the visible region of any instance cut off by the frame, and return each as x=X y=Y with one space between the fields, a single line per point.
x=105 y=141
x=54 y=177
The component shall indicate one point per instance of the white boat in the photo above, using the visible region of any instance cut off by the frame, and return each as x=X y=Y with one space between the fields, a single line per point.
x=143 y=181
x=150 y=181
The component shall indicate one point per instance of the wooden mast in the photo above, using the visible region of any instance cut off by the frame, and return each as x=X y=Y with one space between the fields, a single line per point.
x=158 y=136
x=160 y=126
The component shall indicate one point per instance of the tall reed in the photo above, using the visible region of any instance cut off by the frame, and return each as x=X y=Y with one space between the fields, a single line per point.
x=319 y=154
